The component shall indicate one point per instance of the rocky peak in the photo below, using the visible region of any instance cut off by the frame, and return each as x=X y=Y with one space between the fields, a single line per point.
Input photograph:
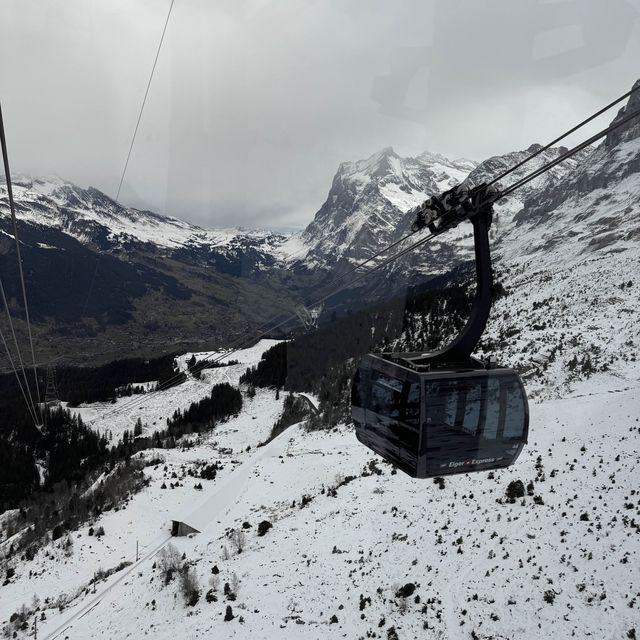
x=631 y=130
x=369 y=198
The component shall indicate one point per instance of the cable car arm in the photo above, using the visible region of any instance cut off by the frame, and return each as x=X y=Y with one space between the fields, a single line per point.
x=444 y=212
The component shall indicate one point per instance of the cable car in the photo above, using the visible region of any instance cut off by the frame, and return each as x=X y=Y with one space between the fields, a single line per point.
x=445 y=412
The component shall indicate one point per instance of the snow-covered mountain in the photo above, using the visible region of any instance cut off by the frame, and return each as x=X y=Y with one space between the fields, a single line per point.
x=93 y=218
x=363 y=211
x=102 y=276
x=367 y=208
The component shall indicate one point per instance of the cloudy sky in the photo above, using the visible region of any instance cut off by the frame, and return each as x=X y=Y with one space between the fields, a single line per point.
x=254 y=103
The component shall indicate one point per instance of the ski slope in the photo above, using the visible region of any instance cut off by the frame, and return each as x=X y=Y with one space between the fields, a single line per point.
x=154 y=408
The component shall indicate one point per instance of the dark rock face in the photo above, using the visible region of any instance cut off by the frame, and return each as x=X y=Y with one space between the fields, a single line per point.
x=631 y=130
x=367 y=202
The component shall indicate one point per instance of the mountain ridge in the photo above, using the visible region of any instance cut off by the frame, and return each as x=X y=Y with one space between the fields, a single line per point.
x=243 y=279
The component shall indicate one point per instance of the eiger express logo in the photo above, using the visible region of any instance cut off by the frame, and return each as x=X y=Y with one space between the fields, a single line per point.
x=463 y=463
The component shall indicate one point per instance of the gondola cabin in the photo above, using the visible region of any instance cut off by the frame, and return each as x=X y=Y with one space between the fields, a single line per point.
x=439 y=420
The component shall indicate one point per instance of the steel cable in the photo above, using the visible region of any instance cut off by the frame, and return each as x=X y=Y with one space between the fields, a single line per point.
x=30 y=407
x=568 y=154
x=12 y=208
x=564 y=135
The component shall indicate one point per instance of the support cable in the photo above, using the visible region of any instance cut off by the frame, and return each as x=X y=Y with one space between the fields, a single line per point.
x=5 y=158
x=30 y=408
x=564 y=135
x=17 y=346
x=144 y=100
x=568 y=154
x=133 y=139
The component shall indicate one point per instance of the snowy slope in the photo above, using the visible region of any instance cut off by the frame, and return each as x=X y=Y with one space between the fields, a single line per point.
x=570 y=261
x=478 y=563
x=114 y=417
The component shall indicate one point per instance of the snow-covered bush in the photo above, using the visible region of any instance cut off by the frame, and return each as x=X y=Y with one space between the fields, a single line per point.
x=238 y=539
x=169 y=562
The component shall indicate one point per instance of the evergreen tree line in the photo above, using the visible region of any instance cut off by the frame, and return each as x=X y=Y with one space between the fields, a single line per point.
x=130 y=390
x=271 y=371
x=223 y=401
x=96 y=384
x=100 y=384
x=63 y=507
x=67 y=448
x=294 y=410
x=423 y=320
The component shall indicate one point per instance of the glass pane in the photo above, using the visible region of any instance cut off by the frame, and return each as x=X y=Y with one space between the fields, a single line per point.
x=492 y=420
x=472 y=406
x=441 y=402
x=412 y=408
x=386 y=395
x=514 y=416
x=454 y=406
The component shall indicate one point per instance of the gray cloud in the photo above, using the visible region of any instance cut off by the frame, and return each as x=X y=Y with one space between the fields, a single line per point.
x=255 y=102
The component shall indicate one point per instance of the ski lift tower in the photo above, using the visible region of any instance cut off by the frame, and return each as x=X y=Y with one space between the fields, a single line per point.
x=51 y=391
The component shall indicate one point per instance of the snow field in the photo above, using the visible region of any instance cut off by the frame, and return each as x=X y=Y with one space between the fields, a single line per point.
x=479 y=565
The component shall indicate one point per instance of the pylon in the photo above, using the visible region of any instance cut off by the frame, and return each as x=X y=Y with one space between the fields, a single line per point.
x=51 y=391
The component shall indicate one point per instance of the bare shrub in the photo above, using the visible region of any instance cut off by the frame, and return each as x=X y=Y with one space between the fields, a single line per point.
x=67 y=545
x=189 y=586
x=234 y=583
x=238 y=539
x=169 y=562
